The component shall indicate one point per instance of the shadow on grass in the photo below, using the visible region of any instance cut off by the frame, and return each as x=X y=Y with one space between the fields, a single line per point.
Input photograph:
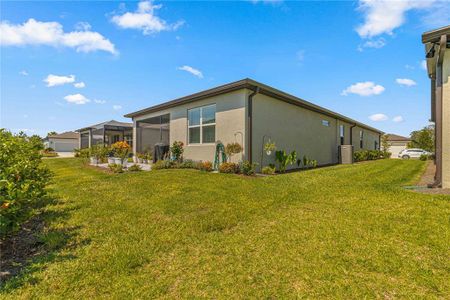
x=36 y=244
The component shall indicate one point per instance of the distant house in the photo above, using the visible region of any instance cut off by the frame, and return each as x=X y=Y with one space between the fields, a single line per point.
x=397 y=143
x=63 y=142
x=106 y=133
x=437 y=49
x=250 y=113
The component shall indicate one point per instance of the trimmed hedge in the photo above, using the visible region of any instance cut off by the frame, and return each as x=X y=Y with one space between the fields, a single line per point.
x=363 y=155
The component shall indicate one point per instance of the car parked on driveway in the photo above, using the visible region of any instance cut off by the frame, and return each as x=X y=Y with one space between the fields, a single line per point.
x=412 y=153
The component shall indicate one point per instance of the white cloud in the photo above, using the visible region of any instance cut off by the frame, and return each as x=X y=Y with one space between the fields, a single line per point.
x=367 y=88
x=54 y=80
x=117 y=107
x=423 y=64
x=397 y=119
x=409 y=67
x=76 y=99
x=383 y=16
x=79 y=85
x=99 y=101
x=300 y=55
x=83 y=26
x=34 y=32
x=378 y=117
x=191 y=70
x=23 y=73
x=405 y=81
x=145 y=19
x=378 y=43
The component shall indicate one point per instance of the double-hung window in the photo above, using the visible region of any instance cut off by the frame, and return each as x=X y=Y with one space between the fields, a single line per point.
x=202 y=125
x=361 y=139
x=341 y=134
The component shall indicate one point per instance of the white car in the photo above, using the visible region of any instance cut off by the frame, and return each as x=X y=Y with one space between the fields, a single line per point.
x=412 y=153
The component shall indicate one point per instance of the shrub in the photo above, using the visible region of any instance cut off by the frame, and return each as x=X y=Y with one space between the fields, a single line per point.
x=268 y=170
x=424 y=157
x=362 y=155
x=135 y=168
x=284 y=159
x=205 y=166
x=229 y=167
x=177 y=150
x=115 y=168
x=49 y=149
x=121 y=149
x=22 y=179
x=49 y=154
x=187 y=164
x=248 y=168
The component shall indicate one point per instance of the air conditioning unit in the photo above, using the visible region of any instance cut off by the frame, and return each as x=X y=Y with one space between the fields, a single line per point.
x=346 y=154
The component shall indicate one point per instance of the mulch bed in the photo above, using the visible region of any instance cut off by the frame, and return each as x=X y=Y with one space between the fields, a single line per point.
x=427 y=179
x=18 y=250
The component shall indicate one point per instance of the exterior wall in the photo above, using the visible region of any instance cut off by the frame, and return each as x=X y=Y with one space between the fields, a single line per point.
x=230 y=124
x=62 y=145
x=295 y=128
x=446 y=121
x=369 y=139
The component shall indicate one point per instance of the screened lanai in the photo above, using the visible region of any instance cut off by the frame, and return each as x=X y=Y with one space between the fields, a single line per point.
x=106 y=133
x=152 y=131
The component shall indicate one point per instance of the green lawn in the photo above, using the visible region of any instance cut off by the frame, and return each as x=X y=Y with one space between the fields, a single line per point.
x=337 y=232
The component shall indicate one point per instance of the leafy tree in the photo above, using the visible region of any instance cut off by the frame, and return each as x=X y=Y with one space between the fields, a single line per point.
x=384 y=143
x=423 y=139
x=52 y=133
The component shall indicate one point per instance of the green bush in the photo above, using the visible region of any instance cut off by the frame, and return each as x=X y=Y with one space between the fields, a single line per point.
x=424 y=157
x=187 y=164
x=268 y=170
x=116 y=168
x=248 y=168
x=229 y=167
x=22 y=179
x=363 y=155
x=177 y=150
x=135 y=168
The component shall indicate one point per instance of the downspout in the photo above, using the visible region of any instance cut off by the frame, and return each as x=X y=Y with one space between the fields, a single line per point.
x=250 y=122
x=351 y=134
x=439 y=98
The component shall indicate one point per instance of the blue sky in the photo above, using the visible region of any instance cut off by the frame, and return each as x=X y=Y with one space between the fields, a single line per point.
x=362 y=59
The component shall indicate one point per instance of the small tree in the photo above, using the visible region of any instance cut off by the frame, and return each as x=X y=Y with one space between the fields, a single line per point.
x=177 y=150
x=423 y=139
x=232 y=149
x=384 y=143
x=52 y=133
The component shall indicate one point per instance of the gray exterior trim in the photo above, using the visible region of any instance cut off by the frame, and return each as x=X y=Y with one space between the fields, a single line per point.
x=434 y=36
x=251 y=85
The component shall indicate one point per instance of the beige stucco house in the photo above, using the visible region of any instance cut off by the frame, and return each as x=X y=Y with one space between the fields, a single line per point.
x=397 y=143
x=250 y=113
x=437 y=49
x=105 y=133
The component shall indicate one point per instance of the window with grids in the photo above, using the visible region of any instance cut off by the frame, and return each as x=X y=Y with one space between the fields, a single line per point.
x=361 y=139
x=202 y=125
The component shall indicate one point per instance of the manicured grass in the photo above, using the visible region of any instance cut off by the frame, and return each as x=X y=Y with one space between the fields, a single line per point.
x=337 y=232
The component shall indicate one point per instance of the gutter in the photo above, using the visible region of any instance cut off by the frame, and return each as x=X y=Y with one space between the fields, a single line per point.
x=351 y=134
x=250 y=122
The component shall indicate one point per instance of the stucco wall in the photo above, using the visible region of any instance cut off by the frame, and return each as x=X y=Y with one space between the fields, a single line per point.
x=296 y=128
x=446 y=121
x=230 y=124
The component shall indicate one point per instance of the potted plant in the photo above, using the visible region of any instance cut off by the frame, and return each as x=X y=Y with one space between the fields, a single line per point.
x=232 y=149
x=95 y=154
x=148 y=158
x=269 y=147
x=140 y=157
x=177 y=151
x=121 y=151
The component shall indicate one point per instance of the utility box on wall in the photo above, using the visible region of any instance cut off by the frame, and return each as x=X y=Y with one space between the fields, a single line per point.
x=346 y=154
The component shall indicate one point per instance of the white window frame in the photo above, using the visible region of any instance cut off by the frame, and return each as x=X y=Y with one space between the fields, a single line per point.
x=201 y=125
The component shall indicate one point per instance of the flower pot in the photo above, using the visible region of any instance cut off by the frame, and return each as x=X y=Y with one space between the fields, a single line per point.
x=94 y=161
x=145 y=161
x=117 y=160
x=110 y=160
x=268 y=152
x=140 y=160
x=125 y=163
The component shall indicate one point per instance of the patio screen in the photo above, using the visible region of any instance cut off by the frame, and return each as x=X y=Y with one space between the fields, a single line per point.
x=84 y=140
x=152 y=131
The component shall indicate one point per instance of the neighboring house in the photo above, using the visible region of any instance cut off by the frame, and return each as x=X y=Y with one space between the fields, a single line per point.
x=397 y=143
x=106 y=133
x=63 y=142
x=437 y=49
x=250 y=113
